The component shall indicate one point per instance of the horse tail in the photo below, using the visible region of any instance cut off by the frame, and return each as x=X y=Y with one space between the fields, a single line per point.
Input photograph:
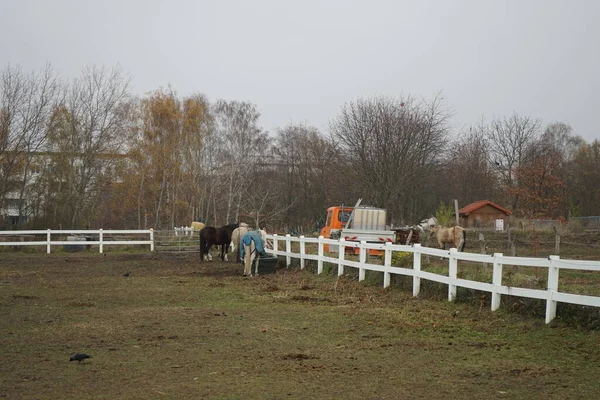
x=463 y=235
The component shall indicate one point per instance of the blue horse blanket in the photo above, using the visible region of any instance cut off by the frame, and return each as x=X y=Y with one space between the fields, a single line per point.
x=247 y=240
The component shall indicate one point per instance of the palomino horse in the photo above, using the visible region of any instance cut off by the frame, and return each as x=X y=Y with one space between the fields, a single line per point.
x=455 y=235
x=210 y=235
x=252 y=244
x=197 y=226
x=237 y=234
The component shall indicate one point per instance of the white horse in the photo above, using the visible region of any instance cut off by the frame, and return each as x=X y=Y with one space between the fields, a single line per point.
x=427 y=224
x=237 y=234
x=253 y=243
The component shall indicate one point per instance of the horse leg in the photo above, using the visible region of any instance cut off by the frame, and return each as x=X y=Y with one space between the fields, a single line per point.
x=208 y=256
x=224 y=251
x=257 y=258
x=462 y=239
x=201 y=247
x=247 y=260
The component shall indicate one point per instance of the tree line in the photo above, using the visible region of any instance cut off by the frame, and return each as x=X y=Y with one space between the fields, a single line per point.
x=86 y=152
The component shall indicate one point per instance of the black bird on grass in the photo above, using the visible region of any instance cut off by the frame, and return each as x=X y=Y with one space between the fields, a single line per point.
x=126 y=274
x=79 y=357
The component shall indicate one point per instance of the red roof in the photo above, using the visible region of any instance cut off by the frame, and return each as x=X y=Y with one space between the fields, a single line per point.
x=466 y=210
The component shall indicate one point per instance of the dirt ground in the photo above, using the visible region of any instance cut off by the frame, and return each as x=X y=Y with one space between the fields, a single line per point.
x=167 y=326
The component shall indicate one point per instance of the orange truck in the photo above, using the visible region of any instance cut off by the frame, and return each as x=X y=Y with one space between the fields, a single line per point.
x=357 y=223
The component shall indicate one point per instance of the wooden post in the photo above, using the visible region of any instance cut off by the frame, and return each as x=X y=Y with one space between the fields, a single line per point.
x=409 y=237
x=456 y=212
x=100 y=239
x=512 y=240
x=482 y=244
x=556 y=241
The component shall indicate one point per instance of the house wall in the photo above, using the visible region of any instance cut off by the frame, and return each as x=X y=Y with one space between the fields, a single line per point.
x=484 y=217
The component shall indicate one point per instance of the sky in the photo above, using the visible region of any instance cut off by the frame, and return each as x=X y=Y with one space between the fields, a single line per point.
x=300 y=61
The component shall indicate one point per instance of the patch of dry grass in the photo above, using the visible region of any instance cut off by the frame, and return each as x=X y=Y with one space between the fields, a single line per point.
x=175 y=328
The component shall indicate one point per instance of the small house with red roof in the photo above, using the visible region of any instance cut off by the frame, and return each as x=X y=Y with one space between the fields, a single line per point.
x=482 y=214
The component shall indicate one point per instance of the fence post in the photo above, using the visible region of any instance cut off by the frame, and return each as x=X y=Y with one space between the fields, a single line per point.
x=48 y=242
x=151 y=239
x=320 y=254
x=302 y=251
x=416 y=269
x=288 y=250
x=362 y=259
x=342 y=250
x=275 y=243
x=552 y=289
x=100 y=236
x=496 y=281
x=452 y=272
x=387 y=262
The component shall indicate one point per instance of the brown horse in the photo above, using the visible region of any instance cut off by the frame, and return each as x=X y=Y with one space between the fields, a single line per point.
x=455 y=236
x=210 y=235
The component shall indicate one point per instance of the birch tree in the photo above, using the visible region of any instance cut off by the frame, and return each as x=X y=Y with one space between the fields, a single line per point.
x=244 y=144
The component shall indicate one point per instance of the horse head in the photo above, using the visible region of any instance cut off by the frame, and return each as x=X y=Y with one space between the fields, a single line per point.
x=434 y=230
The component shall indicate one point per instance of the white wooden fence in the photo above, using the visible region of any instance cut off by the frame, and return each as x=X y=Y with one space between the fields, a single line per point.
x=553 y=264
x=101 y=242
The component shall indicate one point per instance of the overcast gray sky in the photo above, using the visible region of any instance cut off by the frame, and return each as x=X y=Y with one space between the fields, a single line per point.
x=299 y=61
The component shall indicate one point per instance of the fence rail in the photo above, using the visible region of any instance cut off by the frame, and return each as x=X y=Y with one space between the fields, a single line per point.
x=101 y=241
x=553 y=264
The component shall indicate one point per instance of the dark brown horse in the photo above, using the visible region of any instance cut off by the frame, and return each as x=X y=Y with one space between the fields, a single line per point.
x=210 y=235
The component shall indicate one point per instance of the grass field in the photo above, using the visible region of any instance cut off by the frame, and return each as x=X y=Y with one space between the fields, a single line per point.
x=175 y=328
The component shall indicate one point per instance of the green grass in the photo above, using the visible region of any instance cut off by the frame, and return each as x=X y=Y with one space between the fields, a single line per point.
x=176 y=328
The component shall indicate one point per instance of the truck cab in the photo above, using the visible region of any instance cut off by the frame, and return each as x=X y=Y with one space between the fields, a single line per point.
x=337 y=217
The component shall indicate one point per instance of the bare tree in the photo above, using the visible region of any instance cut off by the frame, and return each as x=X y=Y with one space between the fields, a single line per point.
x=512 y=142
x=467 y=170
x=87 y=133
x=244 y=143
x=306 y=160
x=26 y=103
x=391 y=146
x=584 y=180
